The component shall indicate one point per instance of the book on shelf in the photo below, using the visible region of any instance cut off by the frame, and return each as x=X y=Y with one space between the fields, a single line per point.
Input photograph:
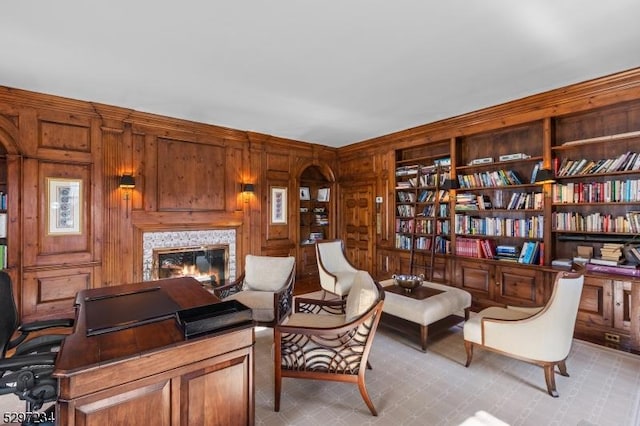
x=487 y=249
x=508 y=250
x=525 y=252
x=535 y=170
x=3 y=225
x=562 y=262
x=592 y=267
x=529 y=253
x=607 y=262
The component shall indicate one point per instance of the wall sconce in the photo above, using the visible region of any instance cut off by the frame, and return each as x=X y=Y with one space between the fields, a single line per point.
x=127 y=183
x=247 y=190
x=545 y=176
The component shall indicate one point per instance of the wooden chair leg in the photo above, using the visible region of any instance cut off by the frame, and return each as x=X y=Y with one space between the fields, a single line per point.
x=468 y=346
x=277 y=371
x=550 y=377
x=424 y=332
x=562 y=366
x=365 y=395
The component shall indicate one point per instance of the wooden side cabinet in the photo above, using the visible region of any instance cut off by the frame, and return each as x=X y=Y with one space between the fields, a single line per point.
x=493 y=284
x=605 y=314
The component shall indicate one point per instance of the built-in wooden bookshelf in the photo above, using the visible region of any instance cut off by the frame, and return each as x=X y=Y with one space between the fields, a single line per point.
x=498 y=205
x=596 y=160
x=315 y=216
x=594 y=203
x=422 y=205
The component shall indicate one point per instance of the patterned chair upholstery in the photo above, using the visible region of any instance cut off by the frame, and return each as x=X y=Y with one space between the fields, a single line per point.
x=330 y=339
x=541 y=335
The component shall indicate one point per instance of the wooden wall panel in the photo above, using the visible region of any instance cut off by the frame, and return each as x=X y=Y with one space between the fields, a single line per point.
x=190 y=176
x=358 y=168
x=50 y=292
x=277 y=162
x=64 y=136
x=77 y=247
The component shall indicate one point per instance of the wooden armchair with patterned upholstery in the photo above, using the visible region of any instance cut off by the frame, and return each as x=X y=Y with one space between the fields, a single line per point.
x=330 y=339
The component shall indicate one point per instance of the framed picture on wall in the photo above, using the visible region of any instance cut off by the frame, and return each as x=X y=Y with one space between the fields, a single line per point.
x=278 y=205
x=323 y=194
x=305 y=193
x=64 y=206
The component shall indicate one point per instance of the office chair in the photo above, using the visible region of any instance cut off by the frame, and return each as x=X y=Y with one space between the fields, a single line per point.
x=27 y=372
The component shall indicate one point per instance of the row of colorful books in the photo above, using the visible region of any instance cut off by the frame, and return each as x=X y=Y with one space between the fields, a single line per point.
x=490 y=179
x=532 y=227
x=583 y=166
x=615 y=191
x=594 y=222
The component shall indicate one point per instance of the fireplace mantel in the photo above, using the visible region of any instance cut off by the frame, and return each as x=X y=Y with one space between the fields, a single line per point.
x=181 y=229
x=161 y=221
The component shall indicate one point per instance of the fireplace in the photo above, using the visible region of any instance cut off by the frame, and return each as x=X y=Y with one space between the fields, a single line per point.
x=208 y=264
x=161 y=254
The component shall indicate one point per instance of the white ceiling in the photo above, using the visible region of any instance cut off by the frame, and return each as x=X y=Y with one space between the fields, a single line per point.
x=332 y=72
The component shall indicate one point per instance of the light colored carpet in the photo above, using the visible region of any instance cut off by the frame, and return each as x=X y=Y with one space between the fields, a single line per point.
x=409 y=387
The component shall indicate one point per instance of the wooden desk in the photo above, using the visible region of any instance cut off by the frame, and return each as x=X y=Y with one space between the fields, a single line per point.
x=149 y=374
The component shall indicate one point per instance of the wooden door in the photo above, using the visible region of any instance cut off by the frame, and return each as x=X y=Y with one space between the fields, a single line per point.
x=357 y=228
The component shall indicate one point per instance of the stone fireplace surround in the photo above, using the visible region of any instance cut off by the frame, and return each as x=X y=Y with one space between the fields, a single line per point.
x=173 y=239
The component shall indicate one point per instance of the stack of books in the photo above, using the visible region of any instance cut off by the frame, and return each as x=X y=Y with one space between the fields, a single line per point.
x=611 y=262
x=610 y=254
x=508 y=253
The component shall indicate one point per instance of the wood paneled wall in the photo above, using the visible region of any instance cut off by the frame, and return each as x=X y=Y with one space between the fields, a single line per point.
x=188 y=176
x=354 y=164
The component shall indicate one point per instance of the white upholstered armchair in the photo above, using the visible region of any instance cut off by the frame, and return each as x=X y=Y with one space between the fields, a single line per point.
x=266 y=286
x=335 y=270
x=542 y=336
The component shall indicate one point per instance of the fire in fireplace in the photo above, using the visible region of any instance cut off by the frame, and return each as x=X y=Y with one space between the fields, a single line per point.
x=208 y=264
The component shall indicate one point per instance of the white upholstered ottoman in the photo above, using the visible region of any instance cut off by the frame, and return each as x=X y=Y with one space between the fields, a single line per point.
x=435 y=302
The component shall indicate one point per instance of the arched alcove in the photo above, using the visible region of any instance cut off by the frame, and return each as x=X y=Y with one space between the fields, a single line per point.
x=316 y=213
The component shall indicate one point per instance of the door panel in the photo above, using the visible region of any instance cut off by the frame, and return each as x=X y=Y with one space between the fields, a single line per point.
x=357 y=229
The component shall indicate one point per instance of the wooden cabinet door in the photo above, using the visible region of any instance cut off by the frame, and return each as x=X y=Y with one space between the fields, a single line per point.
x=519 y=286
x=357 y=228
x=139 y=403
x=218 y=395
x=476 y=278
x=307 y=264
x=596 y=302
x=622 y=305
